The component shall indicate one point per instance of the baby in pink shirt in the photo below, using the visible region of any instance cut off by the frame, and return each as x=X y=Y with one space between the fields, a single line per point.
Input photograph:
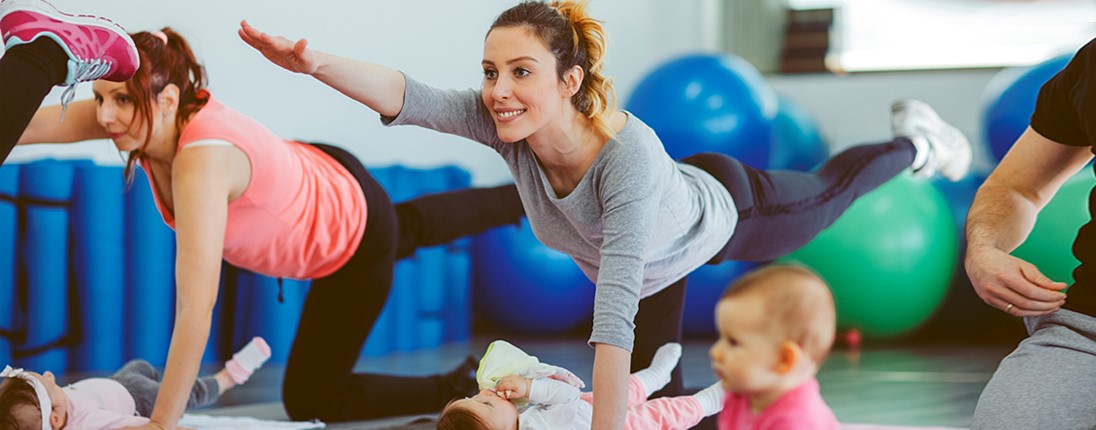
x=776 y=325
x=29 y=400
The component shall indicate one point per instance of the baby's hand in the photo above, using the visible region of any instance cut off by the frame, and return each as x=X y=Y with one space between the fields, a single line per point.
x=565 y=376
x=513 y=387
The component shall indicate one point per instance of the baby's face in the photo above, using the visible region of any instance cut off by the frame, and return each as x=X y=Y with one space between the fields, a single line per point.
x=746 y=355
x=498 y=412
x=56 y=396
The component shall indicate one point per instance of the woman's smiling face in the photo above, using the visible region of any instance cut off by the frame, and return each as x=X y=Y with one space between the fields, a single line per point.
x=521 y=86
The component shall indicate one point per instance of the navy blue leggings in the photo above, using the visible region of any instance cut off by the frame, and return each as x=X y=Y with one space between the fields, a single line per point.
x=778 y=212
x=340 y=309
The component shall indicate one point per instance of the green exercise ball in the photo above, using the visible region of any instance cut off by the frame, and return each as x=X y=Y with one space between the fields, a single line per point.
x=1050 y=244
x=888 y=259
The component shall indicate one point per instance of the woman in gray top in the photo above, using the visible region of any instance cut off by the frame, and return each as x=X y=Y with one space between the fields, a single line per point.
x=597 y=184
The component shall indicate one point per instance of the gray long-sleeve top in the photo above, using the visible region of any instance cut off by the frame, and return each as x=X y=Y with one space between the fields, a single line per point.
x=637 y=222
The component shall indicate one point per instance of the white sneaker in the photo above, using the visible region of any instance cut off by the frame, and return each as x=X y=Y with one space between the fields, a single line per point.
x=941 y=148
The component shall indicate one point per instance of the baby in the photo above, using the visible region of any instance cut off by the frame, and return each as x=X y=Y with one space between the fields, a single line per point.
x=29 y=400
x=533 y=395
x=776 y=325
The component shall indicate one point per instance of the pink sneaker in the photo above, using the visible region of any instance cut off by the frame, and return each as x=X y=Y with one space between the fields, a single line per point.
x=97 y=47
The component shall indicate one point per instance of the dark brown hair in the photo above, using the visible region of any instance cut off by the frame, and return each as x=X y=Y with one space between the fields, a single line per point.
x=575 y=39
x=454 y=417
x=17 y=393
x=163 y=63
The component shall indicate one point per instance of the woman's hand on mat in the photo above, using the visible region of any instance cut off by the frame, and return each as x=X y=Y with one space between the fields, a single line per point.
x=513 y=387
x=1011 y=284
x=292 y=56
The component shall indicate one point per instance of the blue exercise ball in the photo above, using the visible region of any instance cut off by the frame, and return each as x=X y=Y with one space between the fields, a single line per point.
x=708 y=103
x=1009 y=101
x=796 y=143
x=703 y=290
x=959 y=195
x=522 y=286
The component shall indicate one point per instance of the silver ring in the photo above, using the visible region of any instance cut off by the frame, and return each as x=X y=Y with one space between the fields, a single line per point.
x=1008 y=309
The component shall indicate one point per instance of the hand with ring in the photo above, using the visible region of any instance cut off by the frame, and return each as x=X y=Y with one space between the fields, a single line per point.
x=1011 y=284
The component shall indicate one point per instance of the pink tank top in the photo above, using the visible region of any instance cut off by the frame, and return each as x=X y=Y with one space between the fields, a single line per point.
x=302 y=215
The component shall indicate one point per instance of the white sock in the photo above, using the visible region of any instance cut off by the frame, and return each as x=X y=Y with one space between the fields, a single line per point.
x=922 y=145
x=711 y=399
x=657 y=375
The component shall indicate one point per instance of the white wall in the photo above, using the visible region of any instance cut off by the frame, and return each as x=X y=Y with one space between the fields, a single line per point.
x=440 y=43
x=854 y=109
x=437 y=42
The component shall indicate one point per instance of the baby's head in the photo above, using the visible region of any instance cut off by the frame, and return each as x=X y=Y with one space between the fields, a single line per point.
x=21 y=402
x=775 y=324
x=484 y=411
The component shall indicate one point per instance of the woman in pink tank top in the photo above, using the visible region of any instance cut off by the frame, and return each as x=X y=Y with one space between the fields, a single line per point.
x=232 y=190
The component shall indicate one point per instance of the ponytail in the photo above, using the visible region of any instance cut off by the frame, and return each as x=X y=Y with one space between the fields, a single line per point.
x=166 y=58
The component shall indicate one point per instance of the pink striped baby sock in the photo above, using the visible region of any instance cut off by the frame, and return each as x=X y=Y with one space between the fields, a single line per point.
x=249 y=358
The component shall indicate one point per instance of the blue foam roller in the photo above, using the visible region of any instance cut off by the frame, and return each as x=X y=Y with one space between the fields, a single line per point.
x=430 y=292
x=45 y=254
x=456 y=286
x=263 y=315
x=402 y=301
x=9 y=190
x=402 y=297
x=458 y=308
x=417 y=312
x=150 y=284
x=99 y=250
x=431 y=283
x=248 y=289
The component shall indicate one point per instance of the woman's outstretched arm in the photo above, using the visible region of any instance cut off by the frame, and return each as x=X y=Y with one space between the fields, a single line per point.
x=376 y=86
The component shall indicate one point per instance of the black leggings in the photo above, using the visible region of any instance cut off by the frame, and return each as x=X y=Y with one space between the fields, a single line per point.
x=778 y=212
x=27 y=73
x=340 y=309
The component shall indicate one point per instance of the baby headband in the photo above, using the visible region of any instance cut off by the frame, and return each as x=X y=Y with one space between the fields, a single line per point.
x=39 y=389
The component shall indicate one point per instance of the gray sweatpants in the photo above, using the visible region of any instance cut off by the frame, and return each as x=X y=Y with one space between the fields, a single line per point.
x=1048 y=382
x=143 y=383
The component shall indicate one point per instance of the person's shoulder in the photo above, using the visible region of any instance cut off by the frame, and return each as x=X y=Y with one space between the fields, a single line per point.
x=636 y=142
x=625 y=162
x=634 y=129
x=212 y=114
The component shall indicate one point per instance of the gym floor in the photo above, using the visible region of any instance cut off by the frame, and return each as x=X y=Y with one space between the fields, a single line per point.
x=922 y=380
